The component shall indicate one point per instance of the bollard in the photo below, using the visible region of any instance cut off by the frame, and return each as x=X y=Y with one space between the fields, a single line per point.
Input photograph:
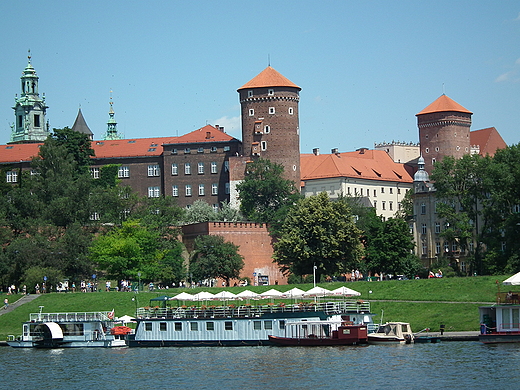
x=442 y=329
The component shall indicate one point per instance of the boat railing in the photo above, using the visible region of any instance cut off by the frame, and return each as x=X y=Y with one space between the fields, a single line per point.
x=70 y=317
x=203 y=311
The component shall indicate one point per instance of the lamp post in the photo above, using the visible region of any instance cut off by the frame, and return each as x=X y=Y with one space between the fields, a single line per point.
x=314 y=274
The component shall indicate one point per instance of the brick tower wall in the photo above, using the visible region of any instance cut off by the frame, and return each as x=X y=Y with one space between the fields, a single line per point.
x=443 y=134
x=272 y=135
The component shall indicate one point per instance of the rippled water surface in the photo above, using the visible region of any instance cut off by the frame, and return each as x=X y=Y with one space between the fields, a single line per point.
x=448 y=365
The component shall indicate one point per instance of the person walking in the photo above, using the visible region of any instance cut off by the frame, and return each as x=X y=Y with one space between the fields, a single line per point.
x=6 y=303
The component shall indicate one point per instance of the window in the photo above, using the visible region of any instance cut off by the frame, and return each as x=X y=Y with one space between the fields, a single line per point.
x=267 y=129
x=383 y=205
x=153 y=170
x=437 y=227
x=226 y=148
x=188 y=190
x=94 y=172
x=291 y=111
x=213 y=149
x=257 y=325
x=228 y=325
x=154 y=192
x=214 y=168
x=391 y=190
x=214 y=189
x=20 y=121
x=227 y=188
x=187 y=169
x=194 y=326
x=37 y=120
x=210 y=326
x=148 y=326
x=423 y=208
x=272 y=110
x=201 y=189
x=216 y=207
x=200 y=150
x=162 y=326
x=174 y=151
x=375 y=205
x=12 y=177
x=123 y=172
x=268 y=325
x=263 y=145
x=251 y=112
x=391 y=206
x=423 y=228
x=454 y=246
x=382 y=190
x=175 y=169
x=270 y=92
x=398 y=191
x=249 y=93
x=94 y=216
x=178 y=326
x=375 y=192
x=200 y=168
x=226 y=166
x=446 y=247
x=187 y=150
x=424 y=249
x=437 y=248
x=175 y=190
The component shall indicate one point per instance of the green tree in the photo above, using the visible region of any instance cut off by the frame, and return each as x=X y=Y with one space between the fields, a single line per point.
x=132 y=248
x=463 y=187
x=214 y=258
x=200 y=211
x=78 y=145
x=388 y=246
x=265 y=196
x=321 y=233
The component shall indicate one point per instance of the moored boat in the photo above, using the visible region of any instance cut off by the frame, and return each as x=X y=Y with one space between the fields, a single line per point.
x=321 y=333
x=244 y=325
x=392 y=333
x=500 y=323
x=68 y=330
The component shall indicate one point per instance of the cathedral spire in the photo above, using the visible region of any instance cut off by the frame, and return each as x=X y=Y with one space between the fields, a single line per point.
x=30 y=109
x=112 y=124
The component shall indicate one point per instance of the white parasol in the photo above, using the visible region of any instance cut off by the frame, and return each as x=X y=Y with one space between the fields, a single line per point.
x=345 y=291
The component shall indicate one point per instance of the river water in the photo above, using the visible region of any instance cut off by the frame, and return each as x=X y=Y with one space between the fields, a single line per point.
x=447 y=365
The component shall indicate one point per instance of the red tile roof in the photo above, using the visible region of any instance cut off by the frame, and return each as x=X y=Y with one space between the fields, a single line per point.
x=136 y=147
x=269 y=78
x=369 y=164
x=442 y=104
x=489 y=140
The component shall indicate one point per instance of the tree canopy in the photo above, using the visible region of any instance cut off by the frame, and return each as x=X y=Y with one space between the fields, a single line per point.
x=214 y=258
x=264 y=194
x=321 y=233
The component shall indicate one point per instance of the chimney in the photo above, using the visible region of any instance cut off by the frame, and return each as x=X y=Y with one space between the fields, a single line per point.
x=316 y=151
x=208 y=134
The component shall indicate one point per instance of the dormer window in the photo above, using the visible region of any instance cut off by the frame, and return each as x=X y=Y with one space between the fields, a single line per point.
x=249 y=94
x=270 y=92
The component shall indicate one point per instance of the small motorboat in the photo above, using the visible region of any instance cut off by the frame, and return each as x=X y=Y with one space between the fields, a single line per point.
x=392 y=333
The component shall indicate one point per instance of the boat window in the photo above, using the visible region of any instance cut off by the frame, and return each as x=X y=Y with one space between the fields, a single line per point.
x=268 y=325
x=178 y=326
x=281 y=324
x=162 y=326
x=257 y=325
x=228 y=325
x=194 y=326
x=148 y=326
x=72 y=329
x=210 y=326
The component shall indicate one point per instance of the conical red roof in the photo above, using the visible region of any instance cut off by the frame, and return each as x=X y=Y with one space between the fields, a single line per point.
x=269 y=78
x=444 y=104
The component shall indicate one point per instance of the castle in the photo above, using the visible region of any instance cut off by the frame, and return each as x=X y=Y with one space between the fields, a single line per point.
x=207 y=163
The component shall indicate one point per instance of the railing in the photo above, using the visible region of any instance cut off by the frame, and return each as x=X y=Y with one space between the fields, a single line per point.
x=203 y=311
x=70 y=317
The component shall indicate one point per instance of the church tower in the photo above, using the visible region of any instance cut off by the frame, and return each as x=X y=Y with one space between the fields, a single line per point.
x=111 y=133
x=270 y=122
x=444 y=128
x=29 y=109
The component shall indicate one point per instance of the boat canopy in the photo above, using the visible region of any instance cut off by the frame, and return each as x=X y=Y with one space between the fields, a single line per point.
x=513 y=280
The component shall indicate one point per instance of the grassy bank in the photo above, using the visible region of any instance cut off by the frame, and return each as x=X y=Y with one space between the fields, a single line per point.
x=423 y=303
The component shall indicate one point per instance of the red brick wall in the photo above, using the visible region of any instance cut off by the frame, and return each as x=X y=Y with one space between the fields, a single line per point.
x=254 y=244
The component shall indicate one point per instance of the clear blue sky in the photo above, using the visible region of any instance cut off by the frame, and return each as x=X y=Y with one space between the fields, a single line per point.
x=365 y=67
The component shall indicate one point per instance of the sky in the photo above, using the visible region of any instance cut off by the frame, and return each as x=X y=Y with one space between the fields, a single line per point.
x=365 y=67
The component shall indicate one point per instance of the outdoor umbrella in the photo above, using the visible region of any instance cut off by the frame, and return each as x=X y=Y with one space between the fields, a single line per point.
x=345 y=291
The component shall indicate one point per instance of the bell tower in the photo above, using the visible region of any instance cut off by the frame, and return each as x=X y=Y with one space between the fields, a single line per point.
x=270 y=122
x=29 y=110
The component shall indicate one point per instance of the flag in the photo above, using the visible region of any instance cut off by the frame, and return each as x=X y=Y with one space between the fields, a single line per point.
x=111 y=315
